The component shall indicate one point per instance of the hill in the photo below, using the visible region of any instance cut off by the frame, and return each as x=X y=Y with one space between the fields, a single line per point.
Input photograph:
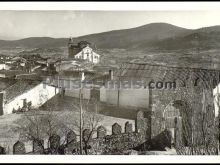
x=35 y=42
x=126 y=38
x=136 y=37
x=154 y=36
x=202 y=39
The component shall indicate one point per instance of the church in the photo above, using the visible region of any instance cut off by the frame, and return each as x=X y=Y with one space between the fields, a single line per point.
x=82 y=50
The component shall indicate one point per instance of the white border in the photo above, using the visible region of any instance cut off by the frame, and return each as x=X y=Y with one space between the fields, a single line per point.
x=113 y=6
x=107 y=159
x=122 y=6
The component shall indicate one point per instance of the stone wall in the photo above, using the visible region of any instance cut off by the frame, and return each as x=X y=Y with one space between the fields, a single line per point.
x=117 y=143
x=190 y=100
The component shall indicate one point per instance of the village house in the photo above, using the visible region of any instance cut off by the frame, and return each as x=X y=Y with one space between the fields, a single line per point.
x=83 y=50
x=71 y=82
x=5 y=62
x=22 y=86
x=24 y=95
x=79 y=64
x=4 y=57
x=4 y=66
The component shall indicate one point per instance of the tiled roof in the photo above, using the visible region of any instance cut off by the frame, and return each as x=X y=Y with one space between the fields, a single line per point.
x=5 y=83
x=20 y=87
x=147 y=72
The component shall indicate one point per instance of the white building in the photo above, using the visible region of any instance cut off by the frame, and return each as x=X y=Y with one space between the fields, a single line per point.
x=25 y=92
x=88 y=54
x=83 y=50
x=4 y=66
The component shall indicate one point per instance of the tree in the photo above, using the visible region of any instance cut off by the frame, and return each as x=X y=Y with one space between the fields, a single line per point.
x=38 y=126
x=90 y=124
x=87 y=126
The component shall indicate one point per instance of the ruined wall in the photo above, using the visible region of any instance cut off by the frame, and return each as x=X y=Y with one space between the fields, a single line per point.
x=194 y=100
x=122 y=139
x=115 y=144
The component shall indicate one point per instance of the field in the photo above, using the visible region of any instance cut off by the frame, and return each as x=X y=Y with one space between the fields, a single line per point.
x=208 y=59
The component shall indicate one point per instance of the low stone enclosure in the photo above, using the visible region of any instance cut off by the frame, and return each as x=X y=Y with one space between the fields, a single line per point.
x=117 y=143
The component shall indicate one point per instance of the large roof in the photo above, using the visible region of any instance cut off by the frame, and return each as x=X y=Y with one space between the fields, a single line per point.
x=147 y=72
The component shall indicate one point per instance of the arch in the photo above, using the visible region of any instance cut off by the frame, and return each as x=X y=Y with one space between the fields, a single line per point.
x=176 y=118
x=170 y=114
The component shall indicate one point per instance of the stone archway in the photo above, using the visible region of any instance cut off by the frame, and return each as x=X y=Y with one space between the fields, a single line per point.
x=170 y=116
x=176 y=119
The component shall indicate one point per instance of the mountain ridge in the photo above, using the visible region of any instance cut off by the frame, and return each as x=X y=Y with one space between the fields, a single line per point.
x=153 y=35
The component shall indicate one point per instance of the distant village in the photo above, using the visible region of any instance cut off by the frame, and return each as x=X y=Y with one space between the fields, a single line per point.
x=30 y=81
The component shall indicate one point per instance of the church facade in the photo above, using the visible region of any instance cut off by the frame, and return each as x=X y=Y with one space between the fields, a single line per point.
x=83 y=50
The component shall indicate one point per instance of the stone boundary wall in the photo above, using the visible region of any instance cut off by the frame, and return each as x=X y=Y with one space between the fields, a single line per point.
x=117 y=143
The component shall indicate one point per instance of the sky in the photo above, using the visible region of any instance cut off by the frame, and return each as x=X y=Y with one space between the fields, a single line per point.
x=66 y=23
